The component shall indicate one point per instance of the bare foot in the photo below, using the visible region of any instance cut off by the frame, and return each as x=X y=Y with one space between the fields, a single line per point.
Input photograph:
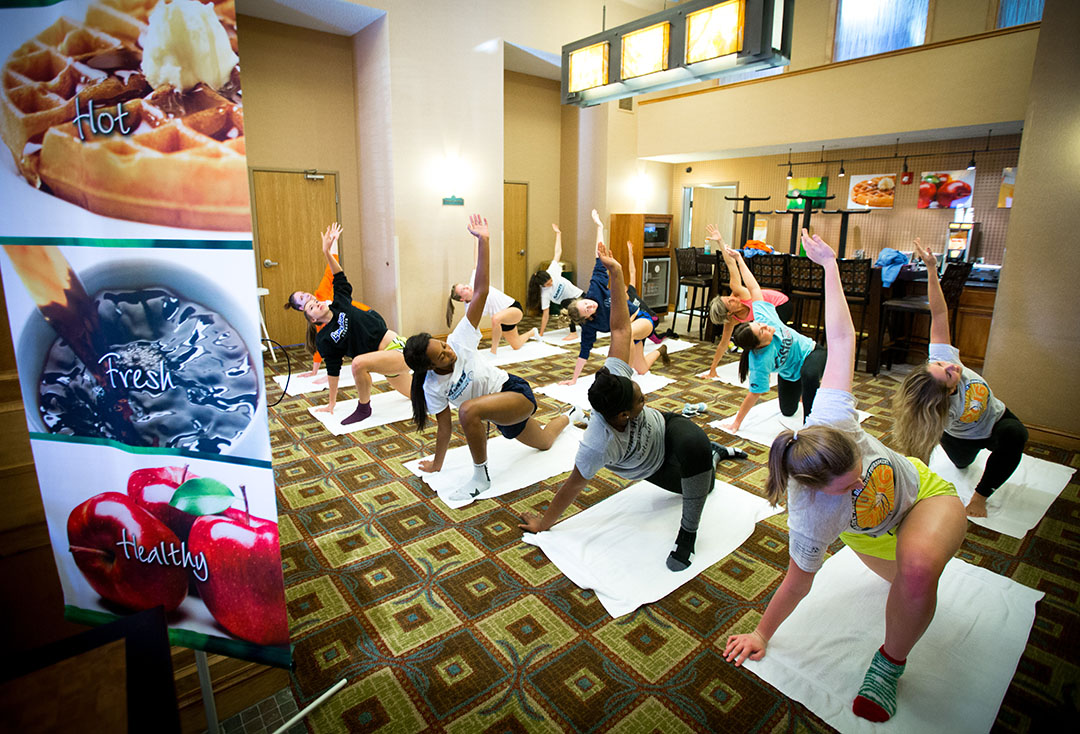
x=530 y=333
x=569 y=337
x=977 y=506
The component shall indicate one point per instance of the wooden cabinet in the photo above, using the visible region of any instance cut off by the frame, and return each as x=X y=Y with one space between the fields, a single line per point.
x=650 y=234
x=973 y=323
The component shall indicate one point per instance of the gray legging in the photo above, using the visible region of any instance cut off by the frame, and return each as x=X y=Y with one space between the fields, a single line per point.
x=813 y=367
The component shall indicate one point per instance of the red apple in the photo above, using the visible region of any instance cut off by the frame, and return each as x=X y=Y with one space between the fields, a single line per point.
x=127 y=555
x=243 y=589
x=153 y=488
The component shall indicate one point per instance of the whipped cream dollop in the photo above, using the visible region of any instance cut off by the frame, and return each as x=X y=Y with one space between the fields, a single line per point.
x=185 y=44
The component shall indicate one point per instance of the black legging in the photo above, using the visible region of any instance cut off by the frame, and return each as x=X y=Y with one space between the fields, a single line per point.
x=813 y=367
x=786 y=310
x=1006 y=443
x=688 y=467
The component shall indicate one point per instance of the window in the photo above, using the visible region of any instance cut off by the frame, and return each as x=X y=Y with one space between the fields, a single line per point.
x=1015 y=12
x=867 y=27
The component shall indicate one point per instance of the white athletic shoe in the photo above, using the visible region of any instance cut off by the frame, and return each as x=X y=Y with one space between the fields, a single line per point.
x=577 y=415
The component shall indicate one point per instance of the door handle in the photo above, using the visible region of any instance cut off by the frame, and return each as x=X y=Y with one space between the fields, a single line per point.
x=521 y=252
x=268 y=263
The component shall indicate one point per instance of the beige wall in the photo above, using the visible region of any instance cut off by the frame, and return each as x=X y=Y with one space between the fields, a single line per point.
x=299 y=113
x=967 y=83
x=532 y=123
x=896 y=227
x=1034 y=347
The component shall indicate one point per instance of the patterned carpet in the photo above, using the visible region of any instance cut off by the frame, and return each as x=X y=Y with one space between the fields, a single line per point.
x=445 y=620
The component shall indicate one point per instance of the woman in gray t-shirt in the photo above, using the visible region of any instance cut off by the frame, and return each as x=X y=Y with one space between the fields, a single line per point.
x=942 y=400
x=636 y=441
x=903 y=521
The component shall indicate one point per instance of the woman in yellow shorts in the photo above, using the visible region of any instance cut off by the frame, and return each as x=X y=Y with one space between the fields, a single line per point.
x=903 y=521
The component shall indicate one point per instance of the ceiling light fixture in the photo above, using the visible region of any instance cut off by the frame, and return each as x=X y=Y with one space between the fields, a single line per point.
x=905 y=170
x=842 y=173
x=789 y=164
x=971 y=163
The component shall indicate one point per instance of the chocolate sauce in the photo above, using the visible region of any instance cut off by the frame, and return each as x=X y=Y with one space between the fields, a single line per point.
x=159 y=370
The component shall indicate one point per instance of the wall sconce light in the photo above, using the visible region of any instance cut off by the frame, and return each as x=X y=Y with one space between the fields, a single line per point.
x=971 y=163
x=688 y=42
x=842 y=173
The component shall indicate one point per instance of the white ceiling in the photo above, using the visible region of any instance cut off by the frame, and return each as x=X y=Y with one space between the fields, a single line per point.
x=327 y=16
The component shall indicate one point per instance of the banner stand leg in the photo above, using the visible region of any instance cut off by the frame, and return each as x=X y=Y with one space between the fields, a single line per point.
x=311 y=707
x=207 y=692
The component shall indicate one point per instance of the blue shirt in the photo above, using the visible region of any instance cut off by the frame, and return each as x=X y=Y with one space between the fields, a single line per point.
x=601 y=319
x=784 y=355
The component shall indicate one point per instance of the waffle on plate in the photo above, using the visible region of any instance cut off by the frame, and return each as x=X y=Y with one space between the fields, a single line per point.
x=182 y=166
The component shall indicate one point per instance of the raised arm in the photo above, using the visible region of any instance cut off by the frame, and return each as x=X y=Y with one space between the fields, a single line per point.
x=329 y=238
x=749 y=281
x=478 y=228
x=557 y=255
x=839 y=331
x=631 y=266
x=735 y=283
x=599 y=231
x=939 y=310
x=620 y=312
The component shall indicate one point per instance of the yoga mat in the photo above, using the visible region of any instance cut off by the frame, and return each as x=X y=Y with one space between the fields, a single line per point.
x=578 y=394
x=555 y=336
x=1019 y=504
x=729 y=373
x=532 y=349
x=511 y=465
x=673 y=346
x=618 y=547
x=386 y=407
x=763 y=422
x=299 y=385
x=956 y=675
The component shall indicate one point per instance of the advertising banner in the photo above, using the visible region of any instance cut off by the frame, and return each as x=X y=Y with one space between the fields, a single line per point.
x=946 y=189
x=129 y=278
x=876 y=191
x=806 y=186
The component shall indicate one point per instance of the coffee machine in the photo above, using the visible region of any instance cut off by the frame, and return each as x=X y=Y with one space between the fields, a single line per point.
x=961 y=243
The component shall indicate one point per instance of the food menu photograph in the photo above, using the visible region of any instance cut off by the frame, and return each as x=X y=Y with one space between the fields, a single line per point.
x=130 y=284
x=946 y=189
x=875 y=191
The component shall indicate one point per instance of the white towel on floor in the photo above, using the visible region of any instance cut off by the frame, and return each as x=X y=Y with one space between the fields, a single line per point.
x=673 y=345
x=956 y=675
x=300 y=384
x=578 y=394
x=619 y=547
x=1016 y=506
x=729 y=373
x=386 y=407
x=532 y=349
x=511 y=465
x=765 y=421
x=555 y=336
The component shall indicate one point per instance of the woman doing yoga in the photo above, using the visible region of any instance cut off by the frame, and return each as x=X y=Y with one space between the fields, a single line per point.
x=769 y=346
x=902 y=520
x=942 y=400
x=549 y=286
x=636 y=441
x=451 y=373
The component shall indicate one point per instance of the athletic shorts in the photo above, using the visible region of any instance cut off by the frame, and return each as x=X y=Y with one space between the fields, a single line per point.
x=654 y=320
x=511 y=327
x=516 y=384
x=884 y=546
x=397 y=344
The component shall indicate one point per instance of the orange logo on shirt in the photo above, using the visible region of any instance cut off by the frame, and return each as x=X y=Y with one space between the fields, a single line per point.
x=975 y=399
x=876 y=499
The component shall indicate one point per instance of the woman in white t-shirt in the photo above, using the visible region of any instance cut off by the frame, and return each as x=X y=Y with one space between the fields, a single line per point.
x=636 y=441
x=902 y=520
x=548 y=286
x=505 y=312
x=451 y=373
x=942 y=400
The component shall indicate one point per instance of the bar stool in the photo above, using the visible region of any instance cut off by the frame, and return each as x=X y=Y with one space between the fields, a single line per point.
x=807 y=284
x=689 y=277
x=855 y=277
x=952 y=285
x=262 y=319
x=771 y=271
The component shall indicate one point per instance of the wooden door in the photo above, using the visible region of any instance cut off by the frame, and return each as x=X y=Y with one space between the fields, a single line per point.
x=291 y=211
x=515 y=239
x=711 y=208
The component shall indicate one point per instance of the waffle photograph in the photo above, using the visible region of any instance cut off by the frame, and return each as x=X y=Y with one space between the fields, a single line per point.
x=92 y=117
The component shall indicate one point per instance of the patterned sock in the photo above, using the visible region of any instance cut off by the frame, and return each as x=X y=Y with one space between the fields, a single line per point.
x=877 y=697
x=480 y=482
x=683 y=553
x=363 y=410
